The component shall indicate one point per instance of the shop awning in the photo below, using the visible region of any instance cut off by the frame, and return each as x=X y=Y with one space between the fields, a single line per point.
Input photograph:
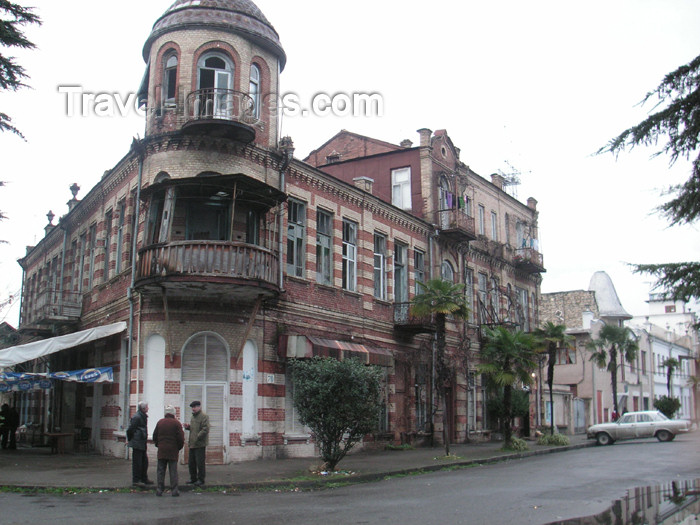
x=21 y=353
x=25 y=381
x=304 y=346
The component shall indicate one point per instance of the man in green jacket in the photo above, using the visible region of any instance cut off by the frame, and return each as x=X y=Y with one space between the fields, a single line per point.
x=199 y=439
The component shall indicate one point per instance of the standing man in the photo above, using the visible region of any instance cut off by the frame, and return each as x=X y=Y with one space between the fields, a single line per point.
x=137 y=434
x=199 y=439
x=169 y=437
x=5 y=424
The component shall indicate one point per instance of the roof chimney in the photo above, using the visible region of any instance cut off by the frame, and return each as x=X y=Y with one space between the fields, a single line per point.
x=364 y=183
x=406 y=143
x=425 y=135
x=497 y=180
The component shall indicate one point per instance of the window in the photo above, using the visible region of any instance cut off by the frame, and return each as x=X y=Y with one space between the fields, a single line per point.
x=494 y=296
x=120 y=236
x=292 y=423
x=349 y=255
x=469 y=292
x=644 y=362
x=296 y=233
x=519 y=235
x=92 y=249
x=108 y=244
x=447 y=273
x=566 y=356
x=670 y=309
x=419 y=269
x=400 y=273
x=215 y=79
x=523 y=298
x=494 y=226
x=482 y=220
x=254 y=89
x=401 y=188
x=324 y=247
x=379 y=266
x=170 y=80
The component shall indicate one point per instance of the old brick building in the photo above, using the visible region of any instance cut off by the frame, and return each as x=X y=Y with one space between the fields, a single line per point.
x=224 y=256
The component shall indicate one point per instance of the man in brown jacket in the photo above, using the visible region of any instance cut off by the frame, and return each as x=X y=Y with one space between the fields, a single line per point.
x=169 y=437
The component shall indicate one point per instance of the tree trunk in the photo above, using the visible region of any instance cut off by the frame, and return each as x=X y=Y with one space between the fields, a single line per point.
x=445 y=426
x=507 y=408
x=613 y=376
x=550 y=383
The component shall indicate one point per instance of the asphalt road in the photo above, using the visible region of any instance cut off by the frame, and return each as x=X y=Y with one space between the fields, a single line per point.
x=535 y=490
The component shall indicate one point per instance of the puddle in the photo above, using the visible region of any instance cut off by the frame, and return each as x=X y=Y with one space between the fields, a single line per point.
x=677 y=502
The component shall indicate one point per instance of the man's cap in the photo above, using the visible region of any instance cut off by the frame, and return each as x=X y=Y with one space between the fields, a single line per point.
x=195 y=404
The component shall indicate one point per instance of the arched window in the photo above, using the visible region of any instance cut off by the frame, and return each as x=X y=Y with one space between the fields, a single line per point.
x=215 y=71
x=170 y=80
x=254 y=89
x=215 y=84
x=447 y=272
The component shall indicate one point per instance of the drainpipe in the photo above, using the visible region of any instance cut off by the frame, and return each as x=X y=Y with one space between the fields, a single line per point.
x=63 y=265
x=286 y=146
x=138 y=148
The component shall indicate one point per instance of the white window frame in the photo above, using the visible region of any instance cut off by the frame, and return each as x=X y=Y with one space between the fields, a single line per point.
x=401 y=188
x=324 y=248
x=350 y=255
x=380 y=286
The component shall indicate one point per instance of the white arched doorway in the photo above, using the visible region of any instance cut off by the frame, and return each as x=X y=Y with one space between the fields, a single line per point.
x=250 y=390
x=205 y=366
x=154 y=379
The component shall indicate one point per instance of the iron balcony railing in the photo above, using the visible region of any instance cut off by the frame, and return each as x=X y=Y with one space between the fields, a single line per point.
x=223 y=104
x=403 y=318
x=456 y=221
x=53 y=306
x=529 y=258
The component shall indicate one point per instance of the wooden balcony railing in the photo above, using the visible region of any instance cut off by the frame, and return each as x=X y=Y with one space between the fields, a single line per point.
x=53 y=307
x=200 y=259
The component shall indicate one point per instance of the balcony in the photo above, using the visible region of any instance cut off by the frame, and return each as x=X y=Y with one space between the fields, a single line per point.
x=529 y=260
x=404 y=321
x=456 y=225
x=214 y=270
x=221 y=113
x=52 y=307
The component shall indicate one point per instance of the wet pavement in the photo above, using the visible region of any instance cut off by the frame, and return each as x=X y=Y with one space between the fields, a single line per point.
x=36 y=467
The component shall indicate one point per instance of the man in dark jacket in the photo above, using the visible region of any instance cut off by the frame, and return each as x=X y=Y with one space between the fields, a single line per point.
x=169 y=437
x=137 y=434
x=5 y=424
x=199 y=439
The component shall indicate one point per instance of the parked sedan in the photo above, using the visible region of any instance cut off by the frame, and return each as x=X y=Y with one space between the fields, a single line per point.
x=635 y=425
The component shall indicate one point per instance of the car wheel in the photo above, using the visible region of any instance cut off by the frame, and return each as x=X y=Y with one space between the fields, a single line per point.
x=664 y=435
x=603 y=439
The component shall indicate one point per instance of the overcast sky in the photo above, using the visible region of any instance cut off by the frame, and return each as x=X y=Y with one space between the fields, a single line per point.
x=532 y=87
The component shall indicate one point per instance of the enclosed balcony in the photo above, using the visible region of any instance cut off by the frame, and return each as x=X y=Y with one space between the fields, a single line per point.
x=456 y=225
x=529 y=260
x=210 y=238
x=51 y=308
x=406 y=322
x=221 y=113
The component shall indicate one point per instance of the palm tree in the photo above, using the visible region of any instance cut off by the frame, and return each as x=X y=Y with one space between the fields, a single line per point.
x=613 y=343
x=441 y=298
x=552 y=336
x=507 y=358
x=672 y=364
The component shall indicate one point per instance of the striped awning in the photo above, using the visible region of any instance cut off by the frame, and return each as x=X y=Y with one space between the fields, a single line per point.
x=305 y=346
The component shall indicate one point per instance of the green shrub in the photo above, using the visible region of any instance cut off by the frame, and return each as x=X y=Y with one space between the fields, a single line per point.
x=516 y=445
x=558 y=440
x=668 y=406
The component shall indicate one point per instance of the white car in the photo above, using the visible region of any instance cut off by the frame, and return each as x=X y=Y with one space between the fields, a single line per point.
x=635 y=425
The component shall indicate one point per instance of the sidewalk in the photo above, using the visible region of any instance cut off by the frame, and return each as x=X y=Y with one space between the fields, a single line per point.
x=37 y=468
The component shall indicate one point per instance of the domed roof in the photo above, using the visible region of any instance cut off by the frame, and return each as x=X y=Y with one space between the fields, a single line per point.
x=237 y=16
